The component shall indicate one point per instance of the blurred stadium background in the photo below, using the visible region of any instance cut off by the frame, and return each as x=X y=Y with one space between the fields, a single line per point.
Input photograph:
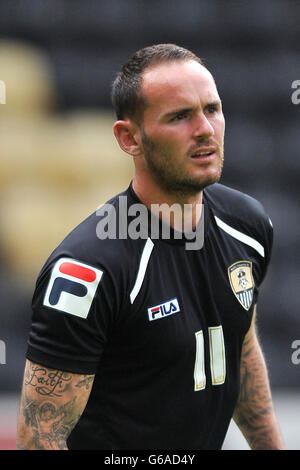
x=59 y=160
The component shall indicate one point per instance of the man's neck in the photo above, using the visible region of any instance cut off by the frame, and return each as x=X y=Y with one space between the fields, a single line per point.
x=181 y=211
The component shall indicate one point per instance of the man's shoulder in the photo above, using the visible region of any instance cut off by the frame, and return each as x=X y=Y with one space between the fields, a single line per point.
x=235 y=204
x=236 y=211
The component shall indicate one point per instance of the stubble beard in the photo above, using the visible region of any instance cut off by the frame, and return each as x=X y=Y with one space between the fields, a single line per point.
x=171 y=179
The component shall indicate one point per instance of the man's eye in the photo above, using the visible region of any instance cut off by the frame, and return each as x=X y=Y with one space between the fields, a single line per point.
x=211 y=109
x=179 y=116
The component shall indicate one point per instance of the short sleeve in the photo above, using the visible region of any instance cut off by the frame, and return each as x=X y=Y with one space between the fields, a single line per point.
x=73 y=308
x=267 y=236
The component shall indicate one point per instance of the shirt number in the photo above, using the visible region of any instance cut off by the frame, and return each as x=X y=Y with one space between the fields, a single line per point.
x=217 y=358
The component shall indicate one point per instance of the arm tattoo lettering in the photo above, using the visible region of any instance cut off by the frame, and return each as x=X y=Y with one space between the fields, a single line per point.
x=47 y=382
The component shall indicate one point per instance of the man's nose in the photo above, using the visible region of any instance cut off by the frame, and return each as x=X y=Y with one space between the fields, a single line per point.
x=203 y=128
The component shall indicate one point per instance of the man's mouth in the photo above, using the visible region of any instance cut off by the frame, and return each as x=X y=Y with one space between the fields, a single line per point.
x=204 y=154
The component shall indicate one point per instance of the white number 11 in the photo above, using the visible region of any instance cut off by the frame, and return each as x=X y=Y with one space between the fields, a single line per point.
x=217 y=358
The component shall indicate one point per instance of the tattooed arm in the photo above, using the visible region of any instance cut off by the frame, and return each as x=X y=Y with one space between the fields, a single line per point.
x=254 y=412
x=52 y=402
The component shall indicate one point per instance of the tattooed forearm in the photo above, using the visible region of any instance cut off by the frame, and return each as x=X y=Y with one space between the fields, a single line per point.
x=50 y=424
x=47 y=382
x=51 y=404
x=254 y=412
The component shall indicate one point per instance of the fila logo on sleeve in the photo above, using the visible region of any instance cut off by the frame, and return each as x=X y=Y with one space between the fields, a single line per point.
x=72 y=287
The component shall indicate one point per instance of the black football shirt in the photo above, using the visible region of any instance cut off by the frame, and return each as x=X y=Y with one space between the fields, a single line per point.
x=161 y=326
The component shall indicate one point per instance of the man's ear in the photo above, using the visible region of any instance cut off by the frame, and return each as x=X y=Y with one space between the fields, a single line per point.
x=127 y=135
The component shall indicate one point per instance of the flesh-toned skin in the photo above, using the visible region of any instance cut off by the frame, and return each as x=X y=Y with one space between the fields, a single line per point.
x=254 y=413
x=183 y=116
x=52 y=401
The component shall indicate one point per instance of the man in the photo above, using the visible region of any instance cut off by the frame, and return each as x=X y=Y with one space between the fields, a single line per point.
x=140 y=342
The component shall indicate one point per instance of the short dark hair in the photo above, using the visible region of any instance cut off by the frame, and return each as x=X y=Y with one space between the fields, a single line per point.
x=126 y=94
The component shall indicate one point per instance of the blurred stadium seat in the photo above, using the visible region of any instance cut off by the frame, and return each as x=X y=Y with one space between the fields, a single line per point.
x=28 y=76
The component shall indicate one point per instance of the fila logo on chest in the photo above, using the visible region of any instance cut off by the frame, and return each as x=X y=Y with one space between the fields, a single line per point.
x=163 y=310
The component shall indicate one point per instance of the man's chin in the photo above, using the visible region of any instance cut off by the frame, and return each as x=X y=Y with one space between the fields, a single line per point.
x=212 y=180
x=190 y=187
x=202 y=182
x=212 y=177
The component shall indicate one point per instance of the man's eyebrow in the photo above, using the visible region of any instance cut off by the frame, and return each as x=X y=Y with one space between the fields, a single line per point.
x=177 y=111
x=216 y=102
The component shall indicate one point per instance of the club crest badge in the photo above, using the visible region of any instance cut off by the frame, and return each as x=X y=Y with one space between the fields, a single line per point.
x=242 y=283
